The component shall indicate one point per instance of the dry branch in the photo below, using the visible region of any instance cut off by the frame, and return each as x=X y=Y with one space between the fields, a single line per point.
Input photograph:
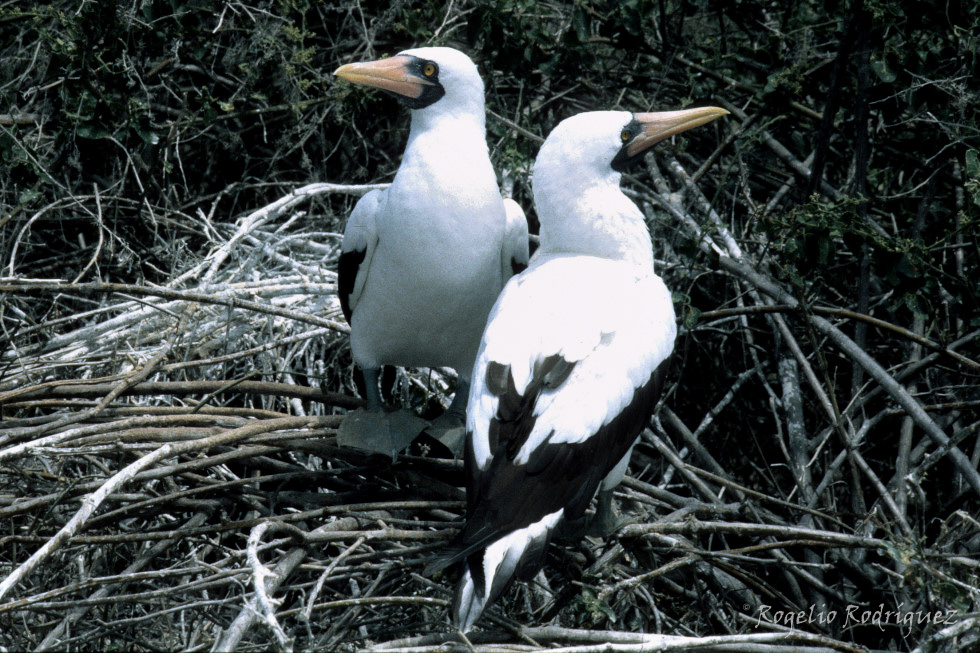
x=96 y=390
x=353 y=571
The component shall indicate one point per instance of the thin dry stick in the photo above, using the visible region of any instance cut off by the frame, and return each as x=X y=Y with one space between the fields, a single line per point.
x=799 y=451
x=113 y=431
x=247 y=353
x=263 y=215
x=915 y=336
x=689 y=528
x=232 y=636
x=51 y=639
x=883 y=492
x=624 y=642
x=956 y=637
x=871 y=366
x=308 y=610
x=34 y=218
x=256 y=428
x=667 y=452
x=74 y=390
x=167 y=293
x=42 y=601
x=266 y=606
x=89 y=506
x=670 y=418
x=633 y=581
x=902 y=456
x=73 y=418
x=101 y=230
x=799 y=444
x=91 y=503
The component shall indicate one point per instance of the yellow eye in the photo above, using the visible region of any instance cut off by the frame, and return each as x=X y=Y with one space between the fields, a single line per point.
x=429 y=69
x=625 y=136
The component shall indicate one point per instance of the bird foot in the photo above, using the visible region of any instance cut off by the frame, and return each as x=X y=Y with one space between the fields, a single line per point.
x=602 y=524
x=380 y=432
x=605 y=523
x=592 y=526
x=450 y=430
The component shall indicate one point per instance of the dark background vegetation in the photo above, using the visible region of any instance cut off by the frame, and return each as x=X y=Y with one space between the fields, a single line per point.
x=133 y=135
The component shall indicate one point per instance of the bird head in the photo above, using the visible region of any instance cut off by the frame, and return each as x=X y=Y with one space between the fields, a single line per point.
x=645 y=130
x=576 y=179
x=601 y=144
x=422 y=77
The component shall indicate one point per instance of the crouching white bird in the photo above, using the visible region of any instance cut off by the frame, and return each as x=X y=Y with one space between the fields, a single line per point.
x=423 y=261
x=572 y=359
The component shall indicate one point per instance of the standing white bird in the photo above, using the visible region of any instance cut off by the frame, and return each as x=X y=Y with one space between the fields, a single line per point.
x=423 y=261
x=572 y=359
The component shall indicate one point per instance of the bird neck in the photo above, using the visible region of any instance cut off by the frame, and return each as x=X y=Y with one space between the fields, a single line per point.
x=598 y=220
x=447 y=143
x=450 y=116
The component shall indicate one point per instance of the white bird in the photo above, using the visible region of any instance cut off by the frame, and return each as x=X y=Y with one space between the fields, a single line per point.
x=423 y=261
x=572 y=359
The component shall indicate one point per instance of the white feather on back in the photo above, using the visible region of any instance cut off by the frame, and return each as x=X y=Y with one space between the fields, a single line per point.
x=616 y=325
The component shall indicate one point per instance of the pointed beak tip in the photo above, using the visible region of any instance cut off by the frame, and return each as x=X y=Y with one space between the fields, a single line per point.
x=708 y=113
x=713 y=113
x=662 y=125
x=682 y=120
x=391 y=74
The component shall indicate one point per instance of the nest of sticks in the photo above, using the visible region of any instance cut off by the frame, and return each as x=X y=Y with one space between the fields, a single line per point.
x=170 y=476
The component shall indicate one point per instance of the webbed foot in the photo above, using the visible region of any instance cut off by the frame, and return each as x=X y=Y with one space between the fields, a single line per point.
x=380 y=432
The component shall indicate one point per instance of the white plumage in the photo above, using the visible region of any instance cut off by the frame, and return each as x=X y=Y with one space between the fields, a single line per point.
x=572 y=358
x=423 y=261
x=602 y=315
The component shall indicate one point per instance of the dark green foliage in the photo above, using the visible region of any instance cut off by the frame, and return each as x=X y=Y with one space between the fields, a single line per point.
x=589 y=610
x=164 y=103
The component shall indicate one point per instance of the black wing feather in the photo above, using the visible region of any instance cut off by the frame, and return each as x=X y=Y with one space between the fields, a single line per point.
x=347 y=267
x=506 y=496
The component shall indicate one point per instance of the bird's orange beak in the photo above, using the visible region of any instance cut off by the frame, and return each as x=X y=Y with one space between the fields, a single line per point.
x=392 y=74
x=664 y=124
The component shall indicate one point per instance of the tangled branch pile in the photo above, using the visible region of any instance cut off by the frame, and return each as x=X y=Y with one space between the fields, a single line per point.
x=173 y=366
